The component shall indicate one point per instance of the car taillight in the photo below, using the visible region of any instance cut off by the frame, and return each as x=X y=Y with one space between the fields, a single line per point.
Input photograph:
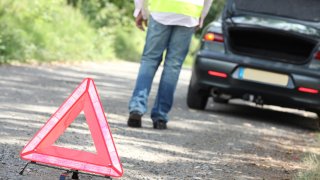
x=210 y=36
x=308 y=90
x=218 y=74
x=317 y=55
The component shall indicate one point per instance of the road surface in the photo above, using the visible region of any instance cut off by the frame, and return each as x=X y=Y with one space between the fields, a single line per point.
x=234 y=141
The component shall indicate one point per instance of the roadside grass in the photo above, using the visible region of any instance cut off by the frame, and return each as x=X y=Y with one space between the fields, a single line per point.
x=312 y=161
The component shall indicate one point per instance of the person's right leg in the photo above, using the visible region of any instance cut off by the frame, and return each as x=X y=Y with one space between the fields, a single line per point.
x=156 y=42
x=176 y=53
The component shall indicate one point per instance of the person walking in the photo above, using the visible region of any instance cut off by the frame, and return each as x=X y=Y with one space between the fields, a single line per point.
x=171 y=24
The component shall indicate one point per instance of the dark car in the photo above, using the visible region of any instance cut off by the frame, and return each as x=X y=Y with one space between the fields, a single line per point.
x=263 y=51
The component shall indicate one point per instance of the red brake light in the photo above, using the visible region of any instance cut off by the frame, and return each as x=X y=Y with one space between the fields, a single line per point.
x=217 y=74
x=317 y=55
x=210 y=36
x=308 y=90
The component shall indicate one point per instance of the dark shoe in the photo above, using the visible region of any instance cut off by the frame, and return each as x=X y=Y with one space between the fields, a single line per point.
x=160 y=124
x=134 y=120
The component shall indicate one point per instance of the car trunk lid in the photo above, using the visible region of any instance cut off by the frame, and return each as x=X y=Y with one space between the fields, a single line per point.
x=306 y=10
x=273 y=29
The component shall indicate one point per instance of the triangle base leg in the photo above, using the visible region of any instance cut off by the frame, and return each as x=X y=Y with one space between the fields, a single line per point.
x=75 y=173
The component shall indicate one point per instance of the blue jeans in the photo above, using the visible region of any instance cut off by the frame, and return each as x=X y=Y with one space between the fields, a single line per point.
x=174 y=39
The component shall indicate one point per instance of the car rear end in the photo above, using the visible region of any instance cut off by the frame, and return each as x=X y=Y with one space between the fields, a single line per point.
x=264 y=51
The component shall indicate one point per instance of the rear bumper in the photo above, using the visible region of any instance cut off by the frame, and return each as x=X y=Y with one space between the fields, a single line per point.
x=274 y=95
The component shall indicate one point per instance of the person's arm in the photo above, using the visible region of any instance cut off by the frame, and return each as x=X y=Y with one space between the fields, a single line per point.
x=141 y=13
x=205 y=11
x=141 y=6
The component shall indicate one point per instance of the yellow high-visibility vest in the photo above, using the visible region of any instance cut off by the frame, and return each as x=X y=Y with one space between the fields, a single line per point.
x=191 y=8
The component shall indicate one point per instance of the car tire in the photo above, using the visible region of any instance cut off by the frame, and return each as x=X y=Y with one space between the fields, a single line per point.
x=196 y=98
x=318 y=128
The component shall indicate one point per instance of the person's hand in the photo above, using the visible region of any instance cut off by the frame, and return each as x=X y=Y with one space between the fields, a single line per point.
x=199 y=26
x=140 y=22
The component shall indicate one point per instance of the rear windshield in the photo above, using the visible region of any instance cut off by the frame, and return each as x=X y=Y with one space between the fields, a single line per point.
x=308 y=10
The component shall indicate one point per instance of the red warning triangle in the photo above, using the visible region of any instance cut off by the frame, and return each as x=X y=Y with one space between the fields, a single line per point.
x=41 y=148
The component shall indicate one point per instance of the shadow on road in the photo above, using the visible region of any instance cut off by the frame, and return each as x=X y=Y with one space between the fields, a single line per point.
x=269 y=114
x=221 y=142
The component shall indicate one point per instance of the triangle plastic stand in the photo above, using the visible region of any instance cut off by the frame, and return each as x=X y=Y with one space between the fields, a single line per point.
x=41 y=148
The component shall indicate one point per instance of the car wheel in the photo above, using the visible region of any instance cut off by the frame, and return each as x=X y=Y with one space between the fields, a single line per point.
x=196 y=98
x=318 y=122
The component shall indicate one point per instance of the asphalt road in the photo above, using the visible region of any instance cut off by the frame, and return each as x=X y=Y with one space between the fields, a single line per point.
x=235 y=141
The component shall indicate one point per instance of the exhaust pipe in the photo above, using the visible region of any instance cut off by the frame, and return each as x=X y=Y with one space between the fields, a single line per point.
x=215 y=93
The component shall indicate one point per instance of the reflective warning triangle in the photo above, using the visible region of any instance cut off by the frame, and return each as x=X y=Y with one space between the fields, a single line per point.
x=105 y=161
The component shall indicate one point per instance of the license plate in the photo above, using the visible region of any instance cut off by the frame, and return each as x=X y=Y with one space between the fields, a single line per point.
x=263 y=76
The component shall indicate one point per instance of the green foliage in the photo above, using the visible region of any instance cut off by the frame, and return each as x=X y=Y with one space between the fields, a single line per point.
x=105 y=13
x=126 y=6
x=129 y=44
x=215 y=10
x=46 y=30
x=194 y=46
x=115 y=18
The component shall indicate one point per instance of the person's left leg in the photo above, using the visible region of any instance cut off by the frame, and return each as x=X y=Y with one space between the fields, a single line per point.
x=176 y=53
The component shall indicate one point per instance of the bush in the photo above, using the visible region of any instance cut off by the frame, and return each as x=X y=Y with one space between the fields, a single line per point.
x=51 y=30
x=48 y=30
x=129 y=44
x=115 y=18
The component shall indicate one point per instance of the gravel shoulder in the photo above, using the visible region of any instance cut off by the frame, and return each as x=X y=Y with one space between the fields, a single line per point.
x=236 y=141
